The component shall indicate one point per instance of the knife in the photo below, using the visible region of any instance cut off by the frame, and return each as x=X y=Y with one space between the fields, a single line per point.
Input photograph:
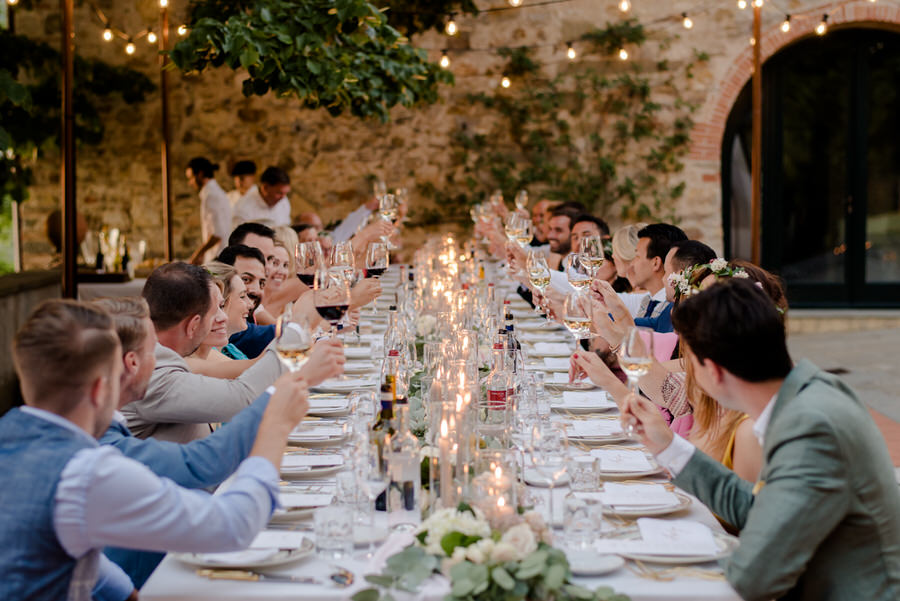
x=248 y=576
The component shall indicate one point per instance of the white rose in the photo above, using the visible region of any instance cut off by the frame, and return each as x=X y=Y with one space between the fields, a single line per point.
x=504 y=552
x=521 y=538
x=718 y=264
x=425 y=324
x=534 y=520
x=740 y=273
x=474 y=554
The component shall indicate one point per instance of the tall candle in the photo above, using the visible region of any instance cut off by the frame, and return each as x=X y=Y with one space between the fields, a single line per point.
x=444 y=457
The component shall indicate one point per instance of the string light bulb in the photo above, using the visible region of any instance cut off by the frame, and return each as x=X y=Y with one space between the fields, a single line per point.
x=107 y=34
x=163 y=3
x=686 y=21
x=451 y=27
x=505 y=82
x=624 y=6
x=445 y=60
x=570 y=52
x=12 y=2
x=623 y=54
x=742 y=4
x=182 y=29
x=129 y=47
x=515 y=3
x=758 y=3
x=786 y=25
x=151 y=37
x=822 y=27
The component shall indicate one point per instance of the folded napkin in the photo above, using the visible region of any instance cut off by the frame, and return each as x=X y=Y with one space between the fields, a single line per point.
x=561 y=377
x=245 y=558
x=545 y=336
x=297 y=500
x=557 y=363
x=594 y=428
x=637 y=495
x=358 y=352
x=672 y=538
x=328 y=403
x=614 y=460
x=558 y=349
x=311 y=460
x=577 y=399
x=278 y=539
x=348 y=384
x=310 y=433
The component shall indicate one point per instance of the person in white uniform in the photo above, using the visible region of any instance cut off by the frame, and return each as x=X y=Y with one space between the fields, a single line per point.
x=215 y=210
x=244 y=175
x=268 y=203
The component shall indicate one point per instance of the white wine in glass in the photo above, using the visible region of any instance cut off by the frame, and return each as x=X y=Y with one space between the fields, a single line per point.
x=293 y=348
x=635 y=358
x=577 y=272
x=592 y=253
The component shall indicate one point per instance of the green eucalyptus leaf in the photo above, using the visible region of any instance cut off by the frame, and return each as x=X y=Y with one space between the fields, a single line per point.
x=380 y=580
x=503 y=579
x=555 y=576
x=369 y=594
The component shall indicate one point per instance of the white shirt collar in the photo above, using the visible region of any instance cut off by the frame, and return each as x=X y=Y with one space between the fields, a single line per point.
x=58 y=420
x=762 y=422
x=119 y=418
x=660 y=295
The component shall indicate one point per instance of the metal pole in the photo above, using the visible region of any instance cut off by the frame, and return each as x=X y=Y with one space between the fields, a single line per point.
x=166 y=133
x=756 y=150
x=69 y=235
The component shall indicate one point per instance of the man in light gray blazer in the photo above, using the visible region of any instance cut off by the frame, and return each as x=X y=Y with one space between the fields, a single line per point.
x=179 y=405
x=823 y=521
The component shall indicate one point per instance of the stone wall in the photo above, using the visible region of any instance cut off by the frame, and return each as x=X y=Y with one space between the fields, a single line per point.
x=330 y=159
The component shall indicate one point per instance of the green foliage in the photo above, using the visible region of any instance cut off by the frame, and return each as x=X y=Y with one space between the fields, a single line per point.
x=341 y=55
x=30 y=104
x=611 y=135
x=414 y=16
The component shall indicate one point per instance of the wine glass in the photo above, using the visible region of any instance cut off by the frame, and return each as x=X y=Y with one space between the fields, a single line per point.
x=342 y=259
x=377 y=261
x=309 y=258
x=522 y=200
x=524 y=234
x=538 y=271
x=513 y=227
x=364 y=408
x=373 y=479
x=379 y=189
x=591 y=252
x=577 y=271
x=332 y=297
x=292 y=348
x=635 y=358
x=577 y=315
x=549 y=455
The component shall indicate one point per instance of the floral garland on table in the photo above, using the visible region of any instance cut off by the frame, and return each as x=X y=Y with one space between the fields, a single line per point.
x=510 y=559
x=718 y=267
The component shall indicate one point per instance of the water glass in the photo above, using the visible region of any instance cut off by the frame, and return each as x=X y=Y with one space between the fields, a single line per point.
x=584 y=473
x=582 y=520
x=334 y=531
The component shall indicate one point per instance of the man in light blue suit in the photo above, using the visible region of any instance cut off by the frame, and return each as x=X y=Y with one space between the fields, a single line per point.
x=823 y=521
x=202 y=463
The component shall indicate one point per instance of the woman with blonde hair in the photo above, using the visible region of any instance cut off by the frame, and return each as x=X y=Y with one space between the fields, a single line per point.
x=280 y=268
x=624 y=249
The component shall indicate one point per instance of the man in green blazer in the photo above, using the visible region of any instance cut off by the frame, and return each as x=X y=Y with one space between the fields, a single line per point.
x=823 y=521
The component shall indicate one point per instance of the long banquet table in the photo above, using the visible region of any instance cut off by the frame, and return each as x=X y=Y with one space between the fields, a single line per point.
x=174 y=580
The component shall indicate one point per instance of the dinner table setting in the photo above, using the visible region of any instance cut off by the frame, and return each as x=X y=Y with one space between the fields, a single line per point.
x=415 y=475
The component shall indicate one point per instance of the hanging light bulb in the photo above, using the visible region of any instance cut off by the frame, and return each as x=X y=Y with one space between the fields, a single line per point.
x=822 y=27
x=570 y=52
x=163 y=3
x=686 y=21
x=786 y=25
x=451 y=27
x=758 y=3
x=107 y=34
x=182 y=29
x=151 y=37
x=445 y=60
x=12 y=2
x=505 y=82
x=752 y=41
x=129 y=47
x=515 y=3
x=624 y=6
x=623 y=54
x=742 y=4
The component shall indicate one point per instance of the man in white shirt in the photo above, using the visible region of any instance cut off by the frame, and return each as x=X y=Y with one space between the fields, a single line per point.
x=215 y=210
x=823 y=521
x=244 y=175
x=267 y=203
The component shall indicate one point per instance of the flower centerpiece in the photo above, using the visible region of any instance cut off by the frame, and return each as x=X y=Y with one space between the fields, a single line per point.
x=506 y=560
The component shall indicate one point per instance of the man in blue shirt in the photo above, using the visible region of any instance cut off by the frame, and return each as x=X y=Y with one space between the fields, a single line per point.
x=202 y=463
x=648 y=273
x=65 y=497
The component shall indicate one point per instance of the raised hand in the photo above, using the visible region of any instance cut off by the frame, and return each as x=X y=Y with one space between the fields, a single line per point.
x=603 y=292
x=325 y=361
x=364 y=292
x=649 y=425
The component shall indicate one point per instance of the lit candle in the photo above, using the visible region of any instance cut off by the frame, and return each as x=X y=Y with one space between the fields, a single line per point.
x=444 y=457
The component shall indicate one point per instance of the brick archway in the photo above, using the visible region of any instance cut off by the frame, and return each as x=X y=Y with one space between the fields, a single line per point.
x=706 y=137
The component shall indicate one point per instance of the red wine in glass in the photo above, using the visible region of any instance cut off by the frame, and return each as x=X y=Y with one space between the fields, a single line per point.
x=332 y=313
x=307 y=278
x=375 y=272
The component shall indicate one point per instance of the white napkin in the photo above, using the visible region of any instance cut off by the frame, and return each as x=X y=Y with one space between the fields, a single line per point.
x=328 y=403
x=594 y=428
x=557 y=363
x=247 y=557
x=348 y=384
x=614 y=460
x=278 y=539
x=545 y=336
x=302 y=500
x=560 y=378
x=576 y=399
x=552 y=348
x=319 y=433
x=310 y=460
x=358 y=352
x=671 y=538
x=637 y=495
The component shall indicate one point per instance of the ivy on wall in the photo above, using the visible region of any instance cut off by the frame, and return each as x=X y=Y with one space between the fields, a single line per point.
x=341 y=55
x=609 y=134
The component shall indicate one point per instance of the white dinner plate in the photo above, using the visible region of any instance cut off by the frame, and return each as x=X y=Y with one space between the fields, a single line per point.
x=361 y=367
x=563 y=386
x=249 y=558
x=725 y=542
x=589 y=562
x=643 y=511
x=346 y=385
x=313 y=472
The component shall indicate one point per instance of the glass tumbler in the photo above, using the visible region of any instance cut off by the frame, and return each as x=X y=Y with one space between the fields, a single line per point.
x=334 y=531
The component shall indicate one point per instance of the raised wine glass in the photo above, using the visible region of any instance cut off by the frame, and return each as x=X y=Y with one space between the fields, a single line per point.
x=292 y=348
x=332 y=297
x=342 y=259
x=577 y=315
x=377 y=261
x=577 y=271
x=379 y=189
x=592 y=253
x=523 y=234
x=522 y=200
x=635 y=358
x=309 y=258
x=548 y=452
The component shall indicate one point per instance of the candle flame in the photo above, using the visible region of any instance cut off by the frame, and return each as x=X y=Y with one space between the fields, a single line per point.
x=501 y=502
x=444 y=430
x=498 y=472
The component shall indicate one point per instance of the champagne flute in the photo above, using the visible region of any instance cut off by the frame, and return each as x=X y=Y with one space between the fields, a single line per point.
x=331 y=297
x=635 y=358
x=577 y=271
x=549 y=454
x=292 y=349
x=592 y=253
